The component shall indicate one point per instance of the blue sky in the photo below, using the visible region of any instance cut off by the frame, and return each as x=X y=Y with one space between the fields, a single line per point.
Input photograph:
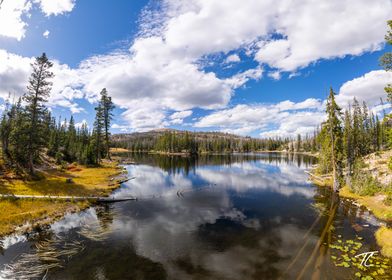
x=249 y=67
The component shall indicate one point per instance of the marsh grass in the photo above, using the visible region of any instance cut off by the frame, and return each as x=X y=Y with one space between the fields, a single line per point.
x=47 y=254
x=86 y=181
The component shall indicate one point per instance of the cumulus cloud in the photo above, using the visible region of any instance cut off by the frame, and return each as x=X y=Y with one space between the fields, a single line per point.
x=14 y=14
x=233 y=58
x=15 y=71
x=368 y=88
x=285 y=118
x=300 y=24
x=11 y=22
x=56 y=7
x=163 y=71
x=178 y=117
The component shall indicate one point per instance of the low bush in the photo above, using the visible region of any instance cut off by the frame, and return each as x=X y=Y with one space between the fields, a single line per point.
x=364 y=184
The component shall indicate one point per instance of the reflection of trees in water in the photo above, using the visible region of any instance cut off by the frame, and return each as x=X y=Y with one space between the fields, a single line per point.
x=175 y=164
x=105 y=215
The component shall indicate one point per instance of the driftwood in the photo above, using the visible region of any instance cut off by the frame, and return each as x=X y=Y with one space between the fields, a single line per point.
x=69 y=198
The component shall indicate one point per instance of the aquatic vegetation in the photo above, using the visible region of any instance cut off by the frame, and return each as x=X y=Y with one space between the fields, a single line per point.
x=344 y=253
x=47 y=254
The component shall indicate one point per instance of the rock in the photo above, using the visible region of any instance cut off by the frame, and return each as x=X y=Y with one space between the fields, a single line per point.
x=69 y=181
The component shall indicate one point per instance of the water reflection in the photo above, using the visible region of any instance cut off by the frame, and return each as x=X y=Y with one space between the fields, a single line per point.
x=238 y=217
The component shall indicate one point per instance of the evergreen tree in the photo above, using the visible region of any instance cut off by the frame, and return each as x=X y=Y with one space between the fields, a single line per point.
x=38 y=91
x=298 y=142
x=334 y=128
x=107 y=111
x=348 y=144
x=98 y=134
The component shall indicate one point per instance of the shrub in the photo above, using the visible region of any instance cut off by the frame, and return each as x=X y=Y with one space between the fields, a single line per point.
x=390 y=164
x=388 y=200
x=364 y=184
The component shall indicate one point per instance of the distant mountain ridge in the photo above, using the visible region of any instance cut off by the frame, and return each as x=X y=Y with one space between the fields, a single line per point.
x=155 y=133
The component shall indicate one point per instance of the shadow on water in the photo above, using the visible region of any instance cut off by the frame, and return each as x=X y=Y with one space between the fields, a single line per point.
x=259 y=218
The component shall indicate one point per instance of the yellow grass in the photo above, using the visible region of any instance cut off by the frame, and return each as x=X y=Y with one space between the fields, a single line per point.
x=86 y=182
x=118 y=150
x=18 y=212
x=384 y=240
x=373 y=203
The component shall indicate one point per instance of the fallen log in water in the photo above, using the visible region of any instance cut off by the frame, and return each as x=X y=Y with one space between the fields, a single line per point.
x=68 y=198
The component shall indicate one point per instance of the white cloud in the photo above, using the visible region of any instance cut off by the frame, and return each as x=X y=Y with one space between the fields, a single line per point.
x=285 y=118
x=178 y=117
x=14 y=14
x=276 y=75
x=122 y=128
x=356 y=27
x=368 y=88
x=181 y=114
x=14 y=71
x=233 y=58
x=56 y=7
x=11 y=23
x=46 y=34
x=242 y=78
x=80 y=124
x=163 y=72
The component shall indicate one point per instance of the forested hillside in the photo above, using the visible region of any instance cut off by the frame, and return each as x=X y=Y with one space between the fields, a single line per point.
x=29 y=132
x=177 y=141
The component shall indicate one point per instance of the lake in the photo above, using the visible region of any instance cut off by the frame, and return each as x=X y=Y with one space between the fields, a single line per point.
x=253 y=216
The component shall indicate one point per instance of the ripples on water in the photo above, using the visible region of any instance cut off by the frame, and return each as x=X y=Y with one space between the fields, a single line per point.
x=215 y=217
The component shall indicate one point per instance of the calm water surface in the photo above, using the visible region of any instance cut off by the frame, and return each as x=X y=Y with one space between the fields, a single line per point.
x=215 y=217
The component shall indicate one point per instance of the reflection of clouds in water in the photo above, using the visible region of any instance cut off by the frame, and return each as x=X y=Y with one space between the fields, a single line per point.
x=75 y=220
x=283 y=178
x=10 y=240
x=288 y=180
x=255 y=261
x=151 y=180
x=169 y=229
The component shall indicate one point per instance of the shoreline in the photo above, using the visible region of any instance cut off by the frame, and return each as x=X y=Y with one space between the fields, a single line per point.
x=187 y=154
x=27 y=216
x=374 y=204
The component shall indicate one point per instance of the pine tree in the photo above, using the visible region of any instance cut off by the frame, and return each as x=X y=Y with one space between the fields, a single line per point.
x=38 y=91
x=298 y=143
x=334 y=128
x=107 y=107
x=348 y=144
x=98 y=133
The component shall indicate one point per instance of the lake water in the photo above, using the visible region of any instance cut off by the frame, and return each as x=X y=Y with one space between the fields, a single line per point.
x=215 y=217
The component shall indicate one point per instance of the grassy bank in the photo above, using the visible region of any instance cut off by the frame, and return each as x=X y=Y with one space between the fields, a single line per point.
x=72 y=181
x=374 y=203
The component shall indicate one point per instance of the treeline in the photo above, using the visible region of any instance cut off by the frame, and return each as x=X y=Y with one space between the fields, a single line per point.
x=346 y=137
x=195 y=143
x=28 y=131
